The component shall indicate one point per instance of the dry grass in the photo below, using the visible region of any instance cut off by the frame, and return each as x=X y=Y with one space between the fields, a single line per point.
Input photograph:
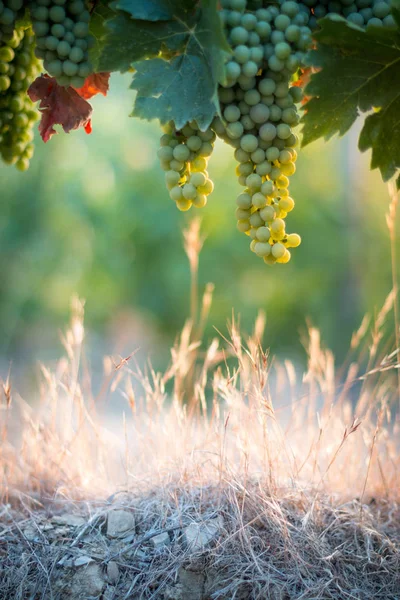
x=303 y=468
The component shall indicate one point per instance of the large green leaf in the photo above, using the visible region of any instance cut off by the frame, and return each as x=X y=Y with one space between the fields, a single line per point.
x=155 y=10
x=128 y=40
x=358 y=71
x=185 y=87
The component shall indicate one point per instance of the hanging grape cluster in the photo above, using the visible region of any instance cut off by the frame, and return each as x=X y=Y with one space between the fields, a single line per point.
x=184 y=156
x=259 y=113
x=62 y=39
x=18 y=68
x=10 y=11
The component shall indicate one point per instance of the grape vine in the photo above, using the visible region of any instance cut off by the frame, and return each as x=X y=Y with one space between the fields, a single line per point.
x=234 y=69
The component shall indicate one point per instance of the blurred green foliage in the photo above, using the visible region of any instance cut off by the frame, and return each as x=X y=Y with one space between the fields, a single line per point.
x=92 y=216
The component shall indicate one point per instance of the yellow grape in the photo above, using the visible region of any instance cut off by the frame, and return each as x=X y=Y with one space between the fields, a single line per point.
x=286 y=204
x=243 y=225
x=184 y=204
x=200 y=201
x=278 y=250
x=269 y=260
x=293 y=240
x=285 y=258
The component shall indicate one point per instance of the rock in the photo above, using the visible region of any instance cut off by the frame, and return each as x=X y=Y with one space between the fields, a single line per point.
x=82 y=560
x=192 y=584
x=161 y=540
x=112 y=572
x=173 y=592
x=30 y=532
x=69 y=519
x=120 y=523
x=199 y=535
x=87 y=581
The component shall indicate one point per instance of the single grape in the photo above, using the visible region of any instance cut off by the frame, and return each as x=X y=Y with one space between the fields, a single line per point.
x=263 y=234
x=249 y=142
x=243 y=225
x=244 y=200
x=176 y=193
x=262 y=248
x=239 y=36
x=267 y=132
x=267 y=188
x=172 y=178
x=259 y=113
x=57 y=14
x=254 y=182
x=184 y=204
x=181 y=153
x=200 y=201
x=259 y=200
x=241 y=213
x=286 y=204
x=293 y=240
x=255 y=220
x=198 y=179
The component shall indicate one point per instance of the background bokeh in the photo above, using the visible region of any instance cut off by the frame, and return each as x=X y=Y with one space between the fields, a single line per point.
x=92 y=217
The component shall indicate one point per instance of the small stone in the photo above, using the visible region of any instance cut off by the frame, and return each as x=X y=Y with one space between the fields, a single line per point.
x=199 y=535
x=161 y=540
x=119 y=523
x=30 y=532
x=82 y=560
x=173 y=592
x=68 y=519
x=112 y=572
x=87 y=581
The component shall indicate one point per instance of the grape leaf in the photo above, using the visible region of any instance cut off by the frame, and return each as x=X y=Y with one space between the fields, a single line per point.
x=128 y=40
x=59 y=105
x=155 y=10
x=184 y=88
x=381 y=133
x=99 y=16
x=97 y=83
x=359 y=71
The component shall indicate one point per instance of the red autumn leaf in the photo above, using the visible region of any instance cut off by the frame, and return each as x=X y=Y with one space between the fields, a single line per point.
x=97 y=83
x=59 y=105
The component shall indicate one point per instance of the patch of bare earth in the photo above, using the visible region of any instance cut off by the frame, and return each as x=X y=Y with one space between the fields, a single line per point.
x=196 y=544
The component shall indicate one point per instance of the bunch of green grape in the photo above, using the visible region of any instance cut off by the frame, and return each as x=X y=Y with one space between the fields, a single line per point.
x=18 y=68
x=63 y=39
x=10 y=11
x=184 y=156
